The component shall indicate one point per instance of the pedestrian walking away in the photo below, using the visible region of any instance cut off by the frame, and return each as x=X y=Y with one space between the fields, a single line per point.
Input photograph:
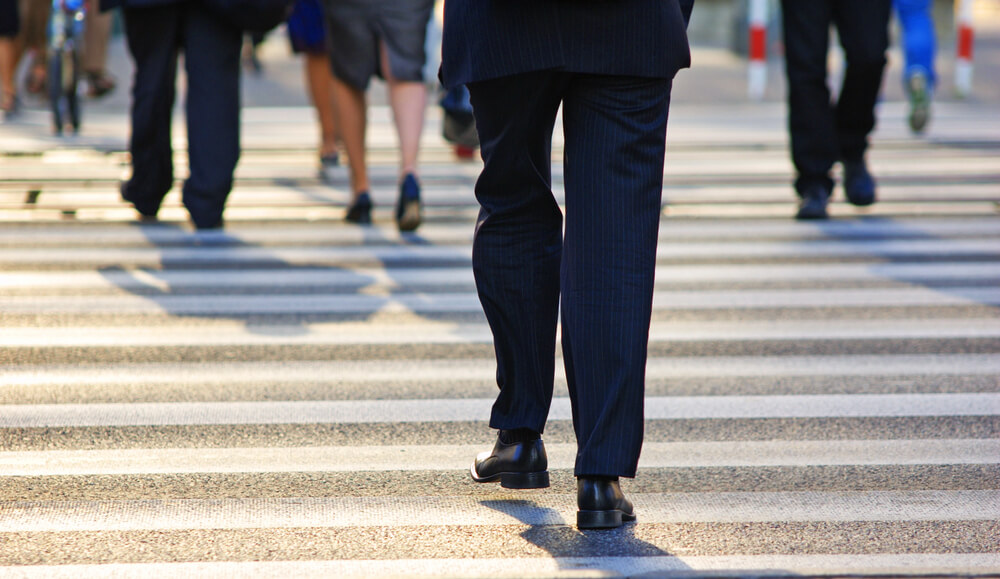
x=385 y=38
x=306 y=33
x=823 y=134
x=10 y=25
x=522 y=61
x=157 y=32
x=919 y=48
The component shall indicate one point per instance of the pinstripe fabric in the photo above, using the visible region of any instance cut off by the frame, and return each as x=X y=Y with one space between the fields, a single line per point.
x=603 y=271
x=485 y=39
x=609 y=63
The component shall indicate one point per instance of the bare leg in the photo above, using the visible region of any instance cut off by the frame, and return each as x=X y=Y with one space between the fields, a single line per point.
x=7 y=73
x=352 y=118
x=320 y=80
x=408 y=100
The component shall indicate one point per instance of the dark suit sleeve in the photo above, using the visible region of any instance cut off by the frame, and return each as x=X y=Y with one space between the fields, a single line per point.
x=686 y=7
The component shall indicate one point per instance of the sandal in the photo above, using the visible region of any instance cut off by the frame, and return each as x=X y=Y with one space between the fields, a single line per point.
x=100 y=83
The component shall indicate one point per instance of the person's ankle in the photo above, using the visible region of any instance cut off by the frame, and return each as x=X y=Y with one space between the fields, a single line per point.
x=517 y=435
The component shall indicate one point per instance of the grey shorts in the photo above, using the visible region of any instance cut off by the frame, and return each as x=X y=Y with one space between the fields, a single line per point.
x=358 y=30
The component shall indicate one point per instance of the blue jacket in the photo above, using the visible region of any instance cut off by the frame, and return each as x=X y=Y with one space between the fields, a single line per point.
x=485 y=39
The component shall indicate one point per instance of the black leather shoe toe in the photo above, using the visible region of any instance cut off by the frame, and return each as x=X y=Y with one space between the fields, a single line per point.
x=518 y=465
x=602 y=504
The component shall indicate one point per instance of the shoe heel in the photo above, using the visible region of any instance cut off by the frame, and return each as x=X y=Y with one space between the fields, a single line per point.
x=599 y=519
x=525 y=480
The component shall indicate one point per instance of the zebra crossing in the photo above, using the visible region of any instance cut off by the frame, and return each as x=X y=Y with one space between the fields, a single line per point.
x=294 y=396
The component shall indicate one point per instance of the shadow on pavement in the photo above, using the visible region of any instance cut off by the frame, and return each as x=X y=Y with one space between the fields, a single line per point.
x=590 y=550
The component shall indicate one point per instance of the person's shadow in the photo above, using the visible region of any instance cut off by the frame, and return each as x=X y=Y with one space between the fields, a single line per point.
x=281 y=295
x=613 y=551
x=908 y=255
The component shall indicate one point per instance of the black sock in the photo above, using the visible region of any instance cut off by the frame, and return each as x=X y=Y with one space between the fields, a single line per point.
x=518 y=435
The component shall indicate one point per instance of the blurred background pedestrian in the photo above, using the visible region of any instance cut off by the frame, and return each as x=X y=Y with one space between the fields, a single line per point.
x=32 y=46
x=307 y=34
x=10 y=24
x=96 y=34
x=32 y=42
x=919 y=48
x=823 y=134
x=383 y=37
x=157 y=31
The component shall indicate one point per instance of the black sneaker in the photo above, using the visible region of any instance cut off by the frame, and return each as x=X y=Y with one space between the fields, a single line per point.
x=812 y=204
x=918 y=92
x=408 y=208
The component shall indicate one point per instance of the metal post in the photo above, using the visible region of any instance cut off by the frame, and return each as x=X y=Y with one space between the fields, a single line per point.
x=757 y=72
x=963 y=48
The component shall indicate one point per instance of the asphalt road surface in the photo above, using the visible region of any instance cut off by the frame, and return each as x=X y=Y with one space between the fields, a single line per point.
x=296 y=396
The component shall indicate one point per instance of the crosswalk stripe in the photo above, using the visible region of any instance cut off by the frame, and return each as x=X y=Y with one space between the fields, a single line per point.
x=353 y=277
x=458 y=457
x=902 y=564
x=543 y=509
x=452 y=410
x=403 y=253
x=484 y=369
x=469 y=302
x=104 y=237
x=337 y=440
x=430 y=332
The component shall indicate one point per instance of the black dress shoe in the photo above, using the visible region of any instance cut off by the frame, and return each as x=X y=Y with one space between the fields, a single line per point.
x=602 y=504
x=360 y=210
x=146 y=215
x=859 y=185
x=812 y=204
x=517 y=465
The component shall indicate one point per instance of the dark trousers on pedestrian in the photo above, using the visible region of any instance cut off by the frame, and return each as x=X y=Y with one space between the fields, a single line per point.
x=600 y=272
x=823 y=132
x=156 y=35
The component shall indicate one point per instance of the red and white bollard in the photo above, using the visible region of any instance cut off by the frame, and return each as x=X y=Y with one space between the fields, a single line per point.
x=757 y=72
x=963 y=48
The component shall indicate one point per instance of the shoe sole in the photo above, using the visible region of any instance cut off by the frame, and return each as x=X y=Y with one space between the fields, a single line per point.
x=363 y=219
x=861 y=201
x=409 y=218
x=359 y=215
x=811 y=215
x=515 y=480
x=602 y=519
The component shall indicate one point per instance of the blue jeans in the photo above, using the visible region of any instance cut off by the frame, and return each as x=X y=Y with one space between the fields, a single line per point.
x=918 y=38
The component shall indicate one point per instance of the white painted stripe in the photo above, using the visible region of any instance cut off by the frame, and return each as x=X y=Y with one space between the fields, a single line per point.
x=504 y=509
x=438 y=277
x=460 y=410
x=299 y=233
x=468 y=302
x=111 y=257
x=230 y=333
x=889 y=564
x=367 y=371
x=458 y=457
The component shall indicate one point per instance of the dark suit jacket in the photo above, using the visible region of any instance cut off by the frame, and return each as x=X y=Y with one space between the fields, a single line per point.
x=486 y=39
